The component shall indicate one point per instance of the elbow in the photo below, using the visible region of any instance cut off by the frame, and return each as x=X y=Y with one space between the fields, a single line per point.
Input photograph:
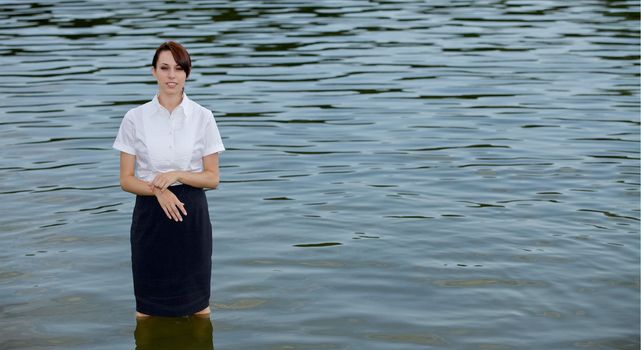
x=124 y=184
x=214 y=181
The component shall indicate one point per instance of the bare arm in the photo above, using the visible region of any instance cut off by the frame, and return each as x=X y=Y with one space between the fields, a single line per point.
x=208 y=178
x=128 y=181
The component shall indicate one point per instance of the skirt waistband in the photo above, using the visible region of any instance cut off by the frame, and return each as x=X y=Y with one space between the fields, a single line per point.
x=182 y=191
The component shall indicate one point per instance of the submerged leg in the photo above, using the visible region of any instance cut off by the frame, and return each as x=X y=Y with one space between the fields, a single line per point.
x=204 y=312
x=141 y=315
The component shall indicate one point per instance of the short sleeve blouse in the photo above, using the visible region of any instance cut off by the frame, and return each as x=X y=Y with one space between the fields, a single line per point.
x=164 y=141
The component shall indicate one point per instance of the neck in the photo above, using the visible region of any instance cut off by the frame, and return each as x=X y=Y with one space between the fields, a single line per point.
x=170 y=101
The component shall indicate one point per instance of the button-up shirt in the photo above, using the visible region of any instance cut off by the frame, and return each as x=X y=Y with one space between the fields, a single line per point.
x=165 y=141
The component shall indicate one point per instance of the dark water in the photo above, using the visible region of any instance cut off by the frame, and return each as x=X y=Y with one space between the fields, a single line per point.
x=398 y=174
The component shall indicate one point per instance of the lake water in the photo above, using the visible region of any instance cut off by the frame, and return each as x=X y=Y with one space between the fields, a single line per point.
x=398 y=174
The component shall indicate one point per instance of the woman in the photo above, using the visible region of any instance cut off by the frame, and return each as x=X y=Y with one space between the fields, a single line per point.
x=168 y=153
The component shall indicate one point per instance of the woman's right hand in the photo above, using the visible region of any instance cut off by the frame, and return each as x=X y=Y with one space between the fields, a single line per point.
x=170 y=204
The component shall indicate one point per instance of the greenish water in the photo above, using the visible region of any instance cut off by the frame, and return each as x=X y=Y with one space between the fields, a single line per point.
x=398 y=174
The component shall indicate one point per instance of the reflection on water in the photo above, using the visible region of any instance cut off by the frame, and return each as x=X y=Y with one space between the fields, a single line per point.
x=174 y=333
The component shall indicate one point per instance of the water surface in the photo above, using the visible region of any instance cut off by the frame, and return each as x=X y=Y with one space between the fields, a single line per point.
x=398 y=174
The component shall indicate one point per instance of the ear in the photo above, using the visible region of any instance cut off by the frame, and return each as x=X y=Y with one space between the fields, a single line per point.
x=153 y=71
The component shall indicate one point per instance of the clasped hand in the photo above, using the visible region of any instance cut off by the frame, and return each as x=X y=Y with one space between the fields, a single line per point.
x=168 y=201
x=163 y=180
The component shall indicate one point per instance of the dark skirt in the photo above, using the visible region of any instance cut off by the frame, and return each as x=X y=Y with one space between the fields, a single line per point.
x=171 y=261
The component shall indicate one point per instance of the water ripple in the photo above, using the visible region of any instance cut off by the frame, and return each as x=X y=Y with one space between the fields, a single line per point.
x=441 y=163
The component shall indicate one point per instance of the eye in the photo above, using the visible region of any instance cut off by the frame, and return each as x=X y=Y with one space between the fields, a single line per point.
x=179 y=68
x=163 y=68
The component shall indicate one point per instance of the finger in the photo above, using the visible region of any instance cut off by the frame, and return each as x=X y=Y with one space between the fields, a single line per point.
x=177 y=214
x=182 y=208
x=166 y=213
x=172 y=211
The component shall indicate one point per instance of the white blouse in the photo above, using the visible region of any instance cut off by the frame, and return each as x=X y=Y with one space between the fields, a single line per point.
x=163 y=141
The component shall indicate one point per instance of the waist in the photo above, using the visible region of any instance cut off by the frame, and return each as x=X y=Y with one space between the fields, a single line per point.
x=147 y=174
x=180 y=190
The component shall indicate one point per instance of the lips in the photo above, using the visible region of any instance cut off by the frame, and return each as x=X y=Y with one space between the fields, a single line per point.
x=172 y=85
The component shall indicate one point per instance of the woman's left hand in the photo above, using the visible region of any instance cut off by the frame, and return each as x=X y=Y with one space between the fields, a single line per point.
x=163 y=180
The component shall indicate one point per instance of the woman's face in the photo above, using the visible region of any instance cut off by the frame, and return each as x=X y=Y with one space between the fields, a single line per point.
x=170 y=76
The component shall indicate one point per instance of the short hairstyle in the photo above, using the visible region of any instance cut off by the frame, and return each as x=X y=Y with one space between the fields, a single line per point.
x=181 y=56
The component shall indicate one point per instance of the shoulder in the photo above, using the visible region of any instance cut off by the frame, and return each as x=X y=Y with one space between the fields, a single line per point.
x=139 y=111
x=198 y=109
x=200 y=113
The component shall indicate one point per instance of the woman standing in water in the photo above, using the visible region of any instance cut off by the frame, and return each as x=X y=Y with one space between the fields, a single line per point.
x=168 y=154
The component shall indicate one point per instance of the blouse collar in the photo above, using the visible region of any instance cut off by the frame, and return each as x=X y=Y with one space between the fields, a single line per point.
x=185 y=104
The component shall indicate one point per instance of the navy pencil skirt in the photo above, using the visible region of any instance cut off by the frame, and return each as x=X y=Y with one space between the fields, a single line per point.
x=171 y=261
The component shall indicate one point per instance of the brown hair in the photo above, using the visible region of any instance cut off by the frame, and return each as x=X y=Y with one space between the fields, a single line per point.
x=181 y=56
